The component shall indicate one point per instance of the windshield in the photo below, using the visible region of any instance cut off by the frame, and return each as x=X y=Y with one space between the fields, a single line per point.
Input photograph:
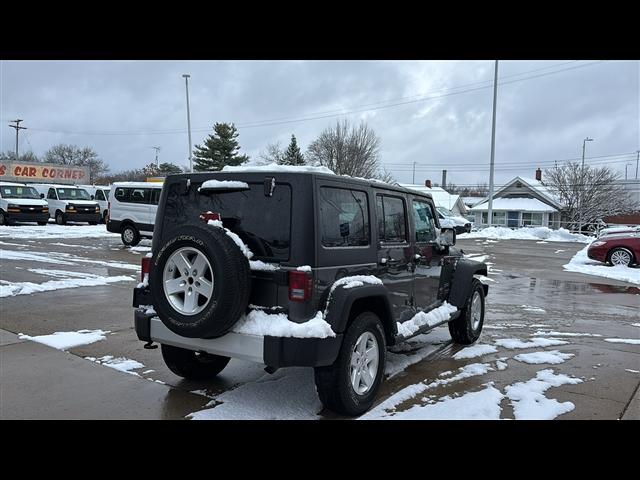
x=72 y=194
x=444 y=211
x=19 y=192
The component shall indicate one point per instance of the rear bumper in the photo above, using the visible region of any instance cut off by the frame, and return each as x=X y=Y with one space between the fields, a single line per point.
x=27 y=217
x=276 y=352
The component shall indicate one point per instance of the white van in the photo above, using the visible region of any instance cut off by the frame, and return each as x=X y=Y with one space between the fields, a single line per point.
x=69 y=203
x=21 y=203
x=132 y=210
x=99 y=193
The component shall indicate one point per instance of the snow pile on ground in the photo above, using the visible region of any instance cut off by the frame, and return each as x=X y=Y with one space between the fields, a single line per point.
x=528 y=233
x=274 y=167
x=55 y=231
x=541 y=333
x=630 y=341
x=529 y=402
x=580 y=263
x=261 y=323
x=8 y=289
x=222 y=185
x=120 y=363
x=552 y=357
x=65 y=340
x=288 y=394
x=513 y=343
x=434 y=317
x=61 y=258
x=475 y=351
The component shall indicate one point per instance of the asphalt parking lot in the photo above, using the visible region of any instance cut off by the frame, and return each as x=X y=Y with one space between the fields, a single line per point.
x=529 y=293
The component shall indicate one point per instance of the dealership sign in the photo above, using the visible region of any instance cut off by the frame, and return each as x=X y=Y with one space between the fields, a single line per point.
x=42 y=172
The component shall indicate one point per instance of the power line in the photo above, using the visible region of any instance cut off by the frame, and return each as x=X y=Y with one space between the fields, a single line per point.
x=332 y=113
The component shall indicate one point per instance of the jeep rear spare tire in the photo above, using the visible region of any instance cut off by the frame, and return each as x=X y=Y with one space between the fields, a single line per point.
x=200 y=281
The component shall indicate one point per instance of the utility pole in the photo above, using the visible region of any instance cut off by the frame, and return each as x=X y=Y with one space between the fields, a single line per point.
x=186 y=84
x=18 y=128
x=444 y=179
x=157 y=149
x=637 y=159
x=582 y=185
x=414 y=173
x=493 y=145
x=625 y=170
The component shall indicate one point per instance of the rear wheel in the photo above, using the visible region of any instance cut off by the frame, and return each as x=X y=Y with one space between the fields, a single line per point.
x=193 y=365
x=130 y=235
x=350 y=385
x=620 y=256
x=467 y=327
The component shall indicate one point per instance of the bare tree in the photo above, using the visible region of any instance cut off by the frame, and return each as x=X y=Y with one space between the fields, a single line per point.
x=10 y=156
x=81 y=157
x=347 y=150
x=596 y=192
x=273 y=153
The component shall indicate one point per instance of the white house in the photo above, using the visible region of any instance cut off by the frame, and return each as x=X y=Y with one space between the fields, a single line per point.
x=441 y=197
x=521 y=202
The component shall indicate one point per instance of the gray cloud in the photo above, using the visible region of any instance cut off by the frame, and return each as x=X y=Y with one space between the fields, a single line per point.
x=539 y=120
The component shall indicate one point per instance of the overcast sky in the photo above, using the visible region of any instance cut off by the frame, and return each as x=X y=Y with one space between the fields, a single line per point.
x=443 y=120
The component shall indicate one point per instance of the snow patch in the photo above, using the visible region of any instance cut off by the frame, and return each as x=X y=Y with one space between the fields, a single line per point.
x=630 y=341
x=238 y=241
x=475 y=351
x=121 y=363
x=581 y=263
x=8 y=289
x=528 y=233
x=56 y=231
x=513 y=343
x=434 y=317
x=553 y=357
x=261 y=323
x=66 y=340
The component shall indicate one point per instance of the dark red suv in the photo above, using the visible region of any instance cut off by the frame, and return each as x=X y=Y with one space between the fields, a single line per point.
x=616 y=249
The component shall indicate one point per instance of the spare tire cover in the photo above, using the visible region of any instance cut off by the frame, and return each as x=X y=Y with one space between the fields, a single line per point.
x=200 y=282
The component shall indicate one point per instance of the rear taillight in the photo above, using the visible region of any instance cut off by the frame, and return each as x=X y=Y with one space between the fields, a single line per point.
x=206 y=216
x=146 y=268
x=300 y=286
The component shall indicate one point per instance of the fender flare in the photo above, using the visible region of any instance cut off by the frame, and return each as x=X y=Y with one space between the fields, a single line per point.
x=341 y=301
x=462 y=280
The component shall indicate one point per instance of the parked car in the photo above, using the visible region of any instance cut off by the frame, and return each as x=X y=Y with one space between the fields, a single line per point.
x=69 y=203
x=616 y=249
x=21 y=203
x=449 y=220
x=132 y=210
x=99 y=193
x=300 y=268
x=619 y=229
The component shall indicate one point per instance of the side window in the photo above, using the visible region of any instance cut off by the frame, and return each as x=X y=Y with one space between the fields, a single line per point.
x=394 y=217
x=155 y=196
x=99 y=195
x=121 y=194
x=344 y=217
x=423 y=221
x=141 y=195
x=52 y=194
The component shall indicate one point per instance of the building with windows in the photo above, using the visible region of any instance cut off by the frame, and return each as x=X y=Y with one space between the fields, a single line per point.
x=441 y=197
x=521 y=202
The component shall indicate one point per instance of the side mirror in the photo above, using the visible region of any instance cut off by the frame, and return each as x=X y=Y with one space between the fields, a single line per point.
x=447 y=237
x=42 y=195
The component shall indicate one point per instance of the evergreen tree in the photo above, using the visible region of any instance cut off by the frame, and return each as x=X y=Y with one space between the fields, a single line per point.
x=168 y=169
x=219 y=149
x=293 y=155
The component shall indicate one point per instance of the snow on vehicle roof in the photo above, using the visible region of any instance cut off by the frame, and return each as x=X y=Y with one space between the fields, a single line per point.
x=274 y=167
x=222 y=185
x=138 y=184
x=54 y=185
x=12 y=184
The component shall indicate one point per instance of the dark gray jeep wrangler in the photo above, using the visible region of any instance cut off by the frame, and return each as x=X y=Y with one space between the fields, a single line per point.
x=300 y=268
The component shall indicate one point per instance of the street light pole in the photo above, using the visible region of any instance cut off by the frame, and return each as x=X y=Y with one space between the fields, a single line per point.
x=637 y=160
x=584 y=142
x=18 y=128
x=186 y=84
x=493 y=144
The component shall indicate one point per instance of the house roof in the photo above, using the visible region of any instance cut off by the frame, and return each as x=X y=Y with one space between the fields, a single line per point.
x=515 y=204
x=440 y=196
x=544 y=191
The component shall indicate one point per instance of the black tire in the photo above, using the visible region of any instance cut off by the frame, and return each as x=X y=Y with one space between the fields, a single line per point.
x=3 y=219
x=130 y=235
x=231 y=280
x=42 y=223
x=333 y=383
x=104 y=216
x=193 y=365
x=621 y=250
x=462 y=329
x=61 y=219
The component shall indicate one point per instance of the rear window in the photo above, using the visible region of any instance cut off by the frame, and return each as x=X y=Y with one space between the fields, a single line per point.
x=134 y=195
x=263 y=223
x=344 y=217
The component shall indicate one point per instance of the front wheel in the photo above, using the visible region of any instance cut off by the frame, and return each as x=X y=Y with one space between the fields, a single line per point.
x=193 y=365
x=620 y=256
x=130 y=235
x=3 y=219
x=350 y=385
x=467 y=327
x=60 y=218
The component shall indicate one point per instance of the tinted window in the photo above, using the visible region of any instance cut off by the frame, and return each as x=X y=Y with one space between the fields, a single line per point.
x=423 y=221
x=155 y=196
x=394 y=228
x=344 y=217
x=134 y=195
x=52 y=194
x=99 y=195
x=263 y=223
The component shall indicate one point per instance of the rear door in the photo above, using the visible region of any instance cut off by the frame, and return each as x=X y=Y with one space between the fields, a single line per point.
x=395 y=265
x=427 y=255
